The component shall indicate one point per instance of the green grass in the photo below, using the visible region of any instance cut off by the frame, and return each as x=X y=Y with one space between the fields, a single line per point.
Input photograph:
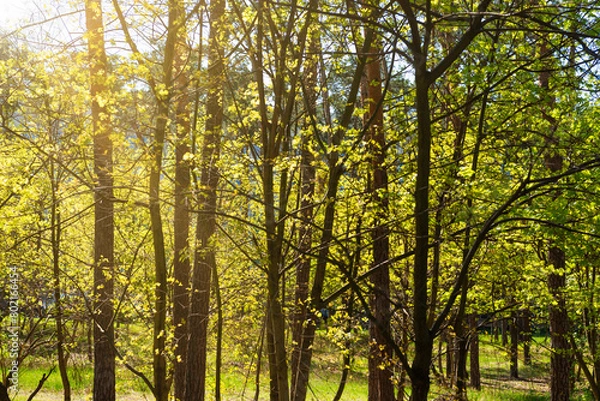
x=324 y=381
x=506 y=395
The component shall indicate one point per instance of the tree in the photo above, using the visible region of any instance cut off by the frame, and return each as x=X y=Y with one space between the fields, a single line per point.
x=300 y=372
x=560 y=362
x=380 y=372
x=181 y=213
x=205 y=253
x=336 y=168
x=104 y=355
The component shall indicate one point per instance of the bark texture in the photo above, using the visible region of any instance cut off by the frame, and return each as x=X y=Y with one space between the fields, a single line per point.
x=380 y=371
x=205 y=260
x=560 y=359
x=181 y=218
x=104 y=354
x=475 y=373
x=300 y=367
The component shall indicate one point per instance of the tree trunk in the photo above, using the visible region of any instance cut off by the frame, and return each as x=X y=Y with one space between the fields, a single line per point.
x=160 y=261
x=205 y=258
x=160 y=266
x=3 y=393
x=335 y=173
x=161 y=384
x=104 y=355
x=300 y=366
x=590 y=321
x=560 y=359
x=58 y=314
x=505 y=332
x=525 y=330
x=423 y=335
x=424 y=77
x=181 y=216
x=475 y=373
x=449 y=360
x=514 y=345
x=219 y=338
x=380 y=371
x=495 y=330
x=462 y=342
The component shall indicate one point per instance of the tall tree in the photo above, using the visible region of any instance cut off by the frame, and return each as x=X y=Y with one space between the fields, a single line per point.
x=336 y=168
x=560 y=360
x=305 y=232
x=424 y=76
x=277 y=39
x=380 y=366
x=163 y=91
x=104 y=355
x=205 y=252
x=181 y=213
x=55 y=239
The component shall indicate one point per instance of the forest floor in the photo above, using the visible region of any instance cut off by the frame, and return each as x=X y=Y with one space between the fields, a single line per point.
x=497 y=385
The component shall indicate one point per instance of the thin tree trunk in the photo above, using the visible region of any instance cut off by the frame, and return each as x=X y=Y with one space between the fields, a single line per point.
x=275 y=224
x=590 y=321
x=58 y=314
x=104 y=355
x=335 y=172
x=495 y=330
x=219 y=338
x=525 y=330
x=475 y=373
x=446 y=358
x=504 y=331
x=205 y=258
x=423 y=336
x=380 y=373
x=160 y=267
x=160 y=262
x=161 y=384
x=424 y=78
x=582 y=364
x=305 y=233
x=514 y=345
x=462 y=342
x=181 y=216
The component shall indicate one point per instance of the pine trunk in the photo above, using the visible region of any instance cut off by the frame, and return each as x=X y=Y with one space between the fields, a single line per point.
x=380 y=372
x=560 y=359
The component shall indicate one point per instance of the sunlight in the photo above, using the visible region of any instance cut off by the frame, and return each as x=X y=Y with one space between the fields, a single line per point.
x=15 y=11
